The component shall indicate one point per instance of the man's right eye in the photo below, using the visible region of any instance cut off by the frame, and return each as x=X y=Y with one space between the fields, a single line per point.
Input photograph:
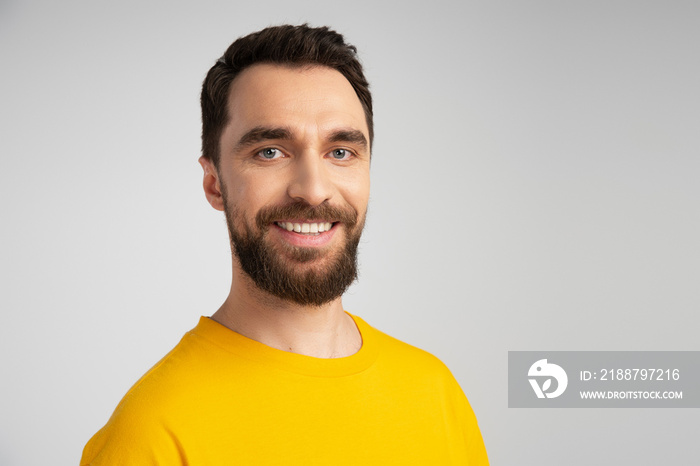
x=270 y=153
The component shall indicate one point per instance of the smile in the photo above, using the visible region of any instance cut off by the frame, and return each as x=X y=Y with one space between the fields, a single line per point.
x=306 y=228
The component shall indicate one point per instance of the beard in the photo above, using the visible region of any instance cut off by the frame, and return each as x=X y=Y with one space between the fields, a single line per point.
x=282 y=273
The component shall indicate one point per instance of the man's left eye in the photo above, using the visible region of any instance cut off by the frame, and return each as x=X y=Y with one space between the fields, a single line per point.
x=270 y=153
x=340 y=154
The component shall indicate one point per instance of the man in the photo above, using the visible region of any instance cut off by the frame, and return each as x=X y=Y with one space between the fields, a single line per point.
x=281 y=374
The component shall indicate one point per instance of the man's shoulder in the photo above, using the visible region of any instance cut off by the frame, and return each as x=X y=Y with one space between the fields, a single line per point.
x=160 y=402
x=406 y=357
x=176 y=376
x=147 y=393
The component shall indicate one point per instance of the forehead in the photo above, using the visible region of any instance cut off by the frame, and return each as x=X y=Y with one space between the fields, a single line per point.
x=308 y=98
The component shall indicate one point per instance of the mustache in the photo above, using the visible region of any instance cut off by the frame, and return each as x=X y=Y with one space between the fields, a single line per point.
x=302 y=210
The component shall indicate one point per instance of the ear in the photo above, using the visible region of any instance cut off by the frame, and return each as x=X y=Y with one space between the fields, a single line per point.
x=211 y=184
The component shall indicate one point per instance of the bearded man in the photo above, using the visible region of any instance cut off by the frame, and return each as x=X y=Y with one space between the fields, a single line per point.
x=280 y=373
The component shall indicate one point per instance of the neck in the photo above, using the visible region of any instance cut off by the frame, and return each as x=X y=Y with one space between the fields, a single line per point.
x=324 y=331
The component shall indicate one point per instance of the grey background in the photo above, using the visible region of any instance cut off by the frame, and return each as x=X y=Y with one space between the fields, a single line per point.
x=534 y=188
x=649 y=371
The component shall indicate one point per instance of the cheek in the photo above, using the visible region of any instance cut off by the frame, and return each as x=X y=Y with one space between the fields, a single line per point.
x=356 y=192
x=251 y=193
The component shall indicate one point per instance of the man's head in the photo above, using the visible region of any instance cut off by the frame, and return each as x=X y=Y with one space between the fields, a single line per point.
x=290 y=164
x=293 y=46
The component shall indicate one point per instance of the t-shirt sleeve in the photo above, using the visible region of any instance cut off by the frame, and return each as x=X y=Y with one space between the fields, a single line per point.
x=476 y=450
x=134 y=439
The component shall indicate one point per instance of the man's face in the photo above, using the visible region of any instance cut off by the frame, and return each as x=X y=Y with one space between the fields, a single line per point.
x=294 y=178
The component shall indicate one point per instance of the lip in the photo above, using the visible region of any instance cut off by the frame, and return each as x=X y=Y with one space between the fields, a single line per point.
x=305 y=240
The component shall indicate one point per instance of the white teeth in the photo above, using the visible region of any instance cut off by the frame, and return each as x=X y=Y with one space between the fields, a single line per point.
x=310 y=228
x=285 y=225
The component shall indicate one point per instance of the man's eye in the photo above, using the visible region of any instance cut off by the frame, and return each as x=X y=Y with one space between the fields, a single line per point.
x=270 y=153
x=340 y=154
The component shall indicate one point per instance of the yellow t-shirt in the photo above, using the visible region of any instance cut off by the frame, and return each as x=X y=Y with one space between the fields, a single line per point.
x=219 y=398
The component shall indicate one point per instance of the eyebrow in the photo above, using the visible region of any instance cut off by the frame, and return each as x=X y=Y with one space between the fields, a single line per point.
x=352 y=136
x=266 y=133
x=262 y=133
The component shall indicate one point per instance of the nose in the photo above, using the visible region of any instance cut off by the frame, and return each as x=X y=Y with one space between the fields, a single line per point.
x=310 y=180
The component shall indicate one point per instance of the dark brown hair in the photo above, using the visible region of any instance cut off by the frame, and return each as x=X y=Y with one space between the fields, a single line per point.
x=285 y=45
